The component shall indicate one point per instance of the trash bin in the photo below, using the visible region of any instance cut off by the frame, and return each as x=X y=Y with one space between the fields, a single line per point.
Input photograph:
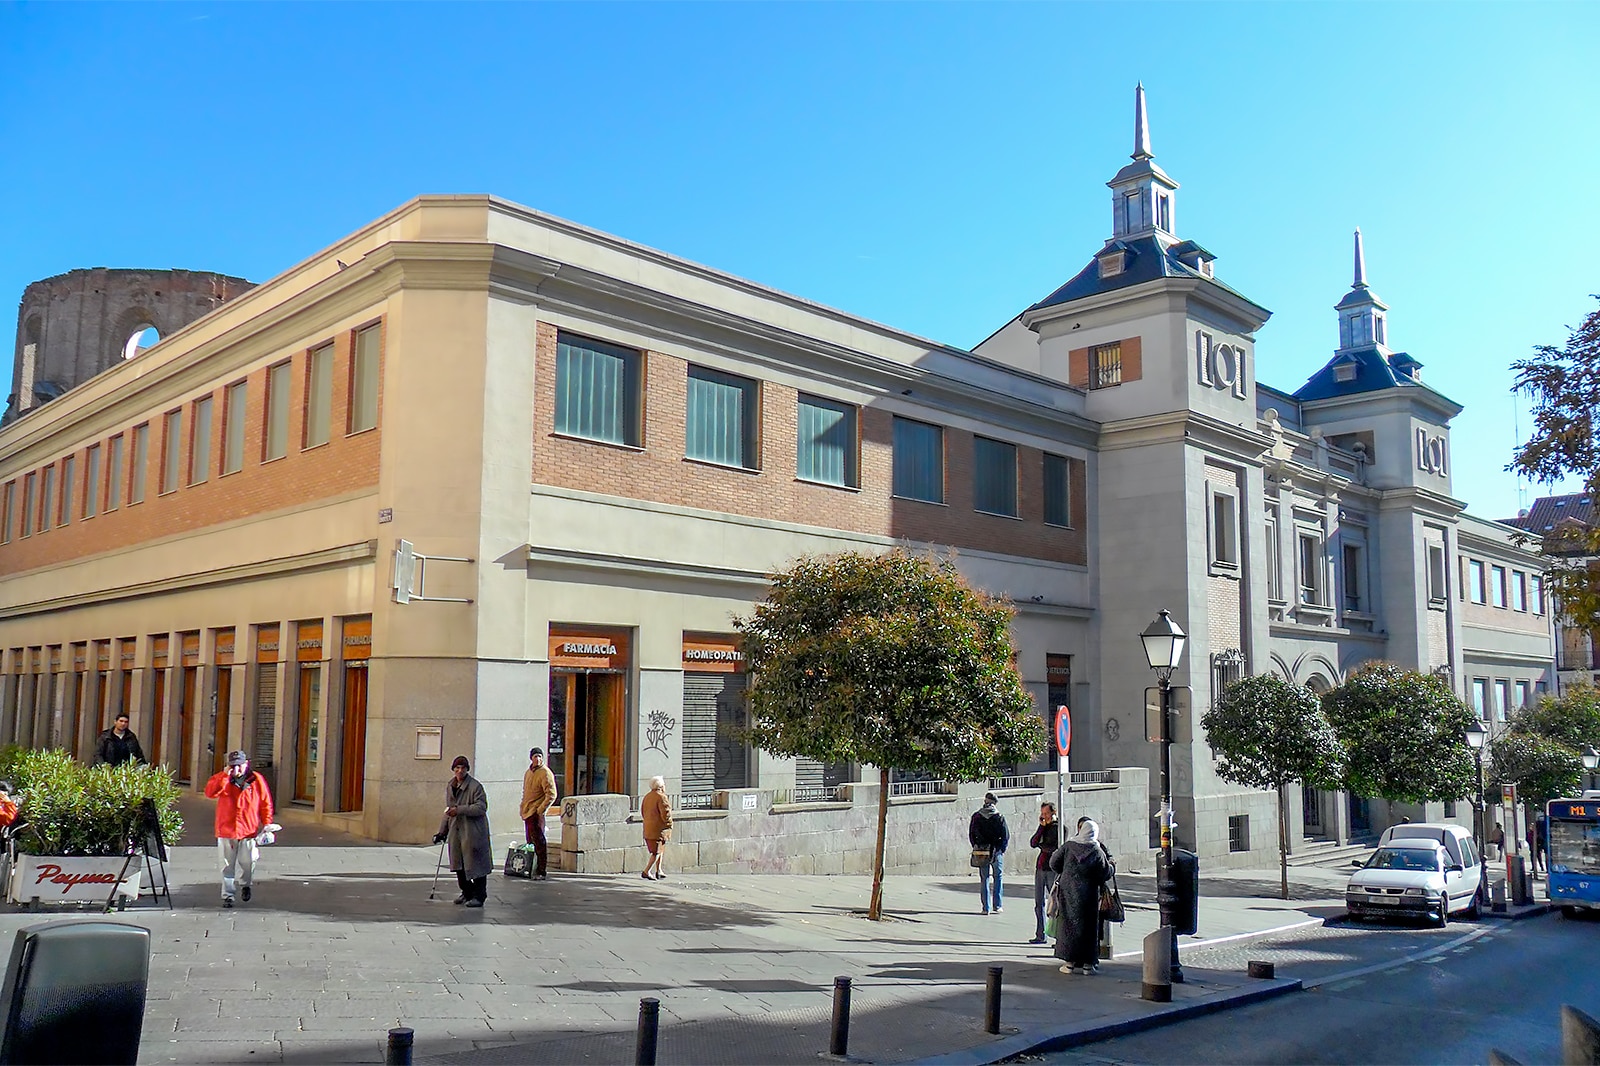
x=75 y=992
x=1185 y=877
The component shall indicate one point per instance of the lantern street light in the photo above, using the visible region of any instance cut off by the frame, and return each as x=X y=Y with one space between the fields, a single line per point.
x=1163 y=648
x=1476 y=737
x=1591 y=759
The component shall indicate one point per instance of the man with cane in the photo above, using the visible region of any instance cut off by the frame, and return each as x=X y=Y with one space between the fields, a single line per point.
x=465 y=829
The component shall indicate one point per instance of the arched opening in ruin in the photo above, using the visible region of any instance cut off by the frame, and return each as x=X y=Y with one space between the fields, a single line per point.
x=143 y=336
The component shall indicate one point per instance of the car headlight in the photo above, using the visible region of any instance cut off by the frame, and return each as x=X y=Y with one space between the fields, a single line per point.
x=1415 y=892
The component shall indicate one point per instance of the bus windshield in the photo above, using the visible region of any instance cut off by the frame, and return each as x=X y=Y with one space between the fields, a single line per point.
x=1574 y=846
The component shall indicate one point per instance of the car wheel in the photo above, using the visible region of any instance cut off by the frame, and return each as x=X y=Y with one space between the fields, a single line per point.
x=1475 y=911
x=1569 y=913
x=1444 y=911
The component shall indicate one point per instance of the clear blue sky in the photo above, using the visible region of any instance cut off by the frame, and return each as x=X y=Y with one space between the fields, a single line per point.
x=936 y=168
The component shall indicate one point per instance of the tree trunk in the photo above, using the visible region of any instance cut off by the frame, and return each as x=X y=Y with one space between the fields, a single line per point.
x=1283 y=846
x=875 y=908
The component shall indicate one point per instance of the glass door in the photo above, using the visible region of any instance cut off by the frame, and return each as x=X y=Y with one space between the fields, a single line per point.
x=158 y=709
x=588 y=732
x=307 y=725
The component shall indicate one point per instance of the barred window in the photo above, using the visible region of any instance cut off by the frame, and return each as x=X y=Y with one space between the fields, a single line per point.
x=1105 y=365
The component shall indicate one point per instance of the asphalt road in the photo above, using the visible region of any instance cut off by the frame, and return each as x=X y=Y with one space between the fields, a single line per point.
x=1503 y=989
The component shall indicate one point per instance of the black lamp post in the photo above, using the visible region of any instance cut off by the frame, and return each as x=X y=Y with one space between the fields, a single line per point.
x=1163 y=648
x=1476 y=736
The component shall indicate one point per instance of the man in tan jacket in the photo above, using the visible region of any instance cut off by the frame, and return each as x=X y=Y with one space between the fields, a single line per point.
x=538 y=793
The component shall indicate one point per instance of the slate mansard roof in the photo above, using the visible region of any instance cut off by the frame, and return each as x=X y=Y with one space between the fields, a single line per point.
x=1148 y=259
x=1374 y=371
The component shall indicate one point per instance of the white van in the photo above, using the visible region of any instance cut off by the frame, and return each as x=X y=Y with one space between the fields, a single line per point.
x=1463 y=873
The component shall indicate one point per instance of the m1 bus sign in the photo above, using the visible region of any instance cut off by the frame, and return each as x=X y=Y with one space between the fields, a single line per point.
x=1063 y=731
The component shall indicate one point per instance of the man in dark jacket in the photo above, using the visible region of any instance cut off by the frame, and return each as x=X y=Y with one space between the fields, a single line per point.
x=988 y=831
x=466 y=827
x=118 y=745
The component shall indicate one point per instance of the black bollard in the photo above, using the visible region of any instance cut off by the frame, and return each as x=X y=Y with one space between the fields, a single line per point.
x=398 y=1050
x=1264 y=970
x=839 y=1039
x=991 y=1002
x=644 y=1053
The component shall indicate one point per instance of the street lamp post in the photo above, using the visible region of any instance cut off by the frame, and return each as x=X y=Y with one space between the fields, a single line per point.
x=1591 y=759
x=1163 y=648
x=1476 y=736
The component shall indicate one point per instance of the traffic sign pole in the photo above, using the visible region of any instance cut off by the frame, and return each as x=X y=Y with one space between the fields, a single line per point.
x=1063 y=749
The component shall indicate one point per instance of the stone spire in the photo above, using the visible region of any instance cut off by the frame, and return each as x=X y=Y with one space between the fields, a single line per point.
x=1361 y=263
x=1141 y=193
x=1141 y=127
x=1362 y=315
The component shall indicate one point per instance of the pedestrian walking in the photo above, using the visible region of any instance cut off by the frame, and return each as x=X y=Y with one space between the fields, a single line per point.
x=118 y=745
x=244 y=811
x=1541 y=844
x=538 y=793
x=1497 y=840
x=1081 y=868
x=656 y=810
x=466 y=830
x=987 y=831
x=1046 y=838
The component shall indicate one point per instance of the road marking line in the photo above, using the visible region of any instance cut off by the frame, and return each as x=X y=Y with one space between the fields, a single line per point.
x=1318 y=982
x=1345 y=986
x=1202 y=945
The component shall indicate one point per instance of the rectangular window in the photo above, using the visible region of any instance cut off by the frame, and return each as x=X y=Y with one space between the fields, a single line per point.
x=1239 y=832
x=91 y=481
x=171 y=450
x=364 y=380
x=598 y=390
x=1519 y=591
x=200 y=442
x=1538 y=593
x=1477 y=587
x=1480 y=697
x=721 y=419
x=1354 y=575
x=826 y=446
x=1436 y=574
x=1222 y=528
x=1497 y=586
x=1502 y=699
x=8 y=511
x=141 y=460
x=233 y=408
x=114 y=474
x=1274 y=560
x=30 y=503
x=275 y=440
x=69 y=471
x=47 y=499
x=1524 y=693
x=319 y=395
x=994 y=479
x=1057 y=491
x=918 y=460
x=1105 y=365
x=1311 y=579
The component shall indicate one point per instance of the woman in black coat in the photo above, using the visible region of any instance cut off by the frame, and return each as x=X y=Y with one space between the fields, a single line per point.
x=1081 y=868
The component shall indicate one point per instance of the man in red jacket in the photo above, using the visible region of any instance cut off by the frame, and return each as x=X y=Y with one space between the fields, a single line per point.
x=244 y=809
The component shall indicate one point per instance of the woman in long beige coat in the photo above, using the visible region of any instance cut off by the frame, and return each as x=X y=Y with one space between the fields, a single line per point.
x=657 y=814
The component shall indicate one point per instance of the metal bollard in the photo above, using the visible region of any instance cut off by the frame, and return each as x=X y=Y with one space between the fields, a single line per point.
x=1105 y=940
x=991 y=1000
x=1157 y=986
x=1264 y=970
x=644 y=1049
x=398 y=1050
x=1497 y=895
x=1580 y=1037
x=839 y=1038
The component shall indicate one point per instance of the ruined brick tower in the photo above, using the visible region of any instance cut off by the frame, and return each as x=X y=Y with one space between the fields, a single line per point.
x=75 y=325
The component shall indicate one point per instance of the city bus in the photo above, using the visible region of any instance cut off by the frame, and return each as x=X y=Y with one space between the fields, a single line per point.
x=1574 y=860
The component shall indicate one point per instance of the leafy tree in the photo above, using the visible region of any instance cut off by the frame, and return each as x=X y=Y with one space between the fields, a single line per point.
x=1404 y=735
x=891 y=660
x=1571 y=719
x=1541 y=769
x=1266 y=732
x=1564 y=385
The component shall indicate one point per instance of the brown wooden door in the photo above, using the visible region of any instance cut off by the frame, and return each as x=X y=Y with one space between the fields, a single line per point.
x=353 y=742
x=186 y=723
x=158 y=714
x=222 y=700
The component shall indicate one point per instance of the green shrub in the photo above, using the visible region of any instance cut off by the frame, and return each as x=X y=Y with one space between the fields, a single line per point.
x=71 y=809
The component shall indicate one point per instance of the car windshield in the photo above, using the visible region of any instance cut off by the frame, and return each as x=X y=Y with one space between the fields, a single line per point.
x=1404 y=859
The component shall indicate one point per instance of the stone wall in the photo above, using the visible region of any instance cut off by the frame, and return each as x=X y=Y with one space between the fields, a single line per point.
x=927 y=834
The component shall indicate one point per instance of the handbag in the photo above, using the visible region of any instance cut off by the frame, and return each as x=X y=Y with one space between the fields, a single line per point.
x=981 y=857
x=1111 y=902
x=519 y=860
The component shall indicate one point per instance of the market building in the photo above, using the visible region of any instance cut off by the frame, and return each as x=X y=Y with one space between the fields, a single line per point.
x=475 y=478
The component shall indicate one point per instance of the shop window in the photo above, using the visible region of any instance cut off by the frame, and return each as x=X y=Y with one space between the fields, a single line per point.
x=994 y=485
x=827 y=449
x=598 y=391
x=722 y=419
x=918 y=461
x=1057 y=491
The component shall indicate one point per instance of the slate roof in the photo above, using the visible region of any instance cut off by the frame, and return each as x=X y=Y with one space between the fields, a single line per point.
x=1374 y=372
x=1147 y=260
x=1548 y=512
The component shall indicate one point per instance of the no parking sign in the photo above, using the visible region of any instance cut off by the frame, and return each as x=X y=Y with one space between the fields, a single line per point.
x=1063 y=731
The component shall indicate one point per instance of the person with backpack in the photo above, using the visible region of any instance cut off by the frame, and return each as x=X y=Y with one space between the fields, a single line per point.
x=988 y=832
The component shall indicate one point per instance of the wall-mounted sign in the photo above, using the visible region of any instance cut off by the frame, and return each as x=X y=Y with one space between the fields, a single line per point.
x=1432 y=452
x=430 y=742
x=589 y=649
x=308 y=642
x=223 y=648
x=705 y=653
x=267 y=644
x=1220 y=366
x=191 y=649
x=1058 y=669
x=357 y=638
x=748 y=803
